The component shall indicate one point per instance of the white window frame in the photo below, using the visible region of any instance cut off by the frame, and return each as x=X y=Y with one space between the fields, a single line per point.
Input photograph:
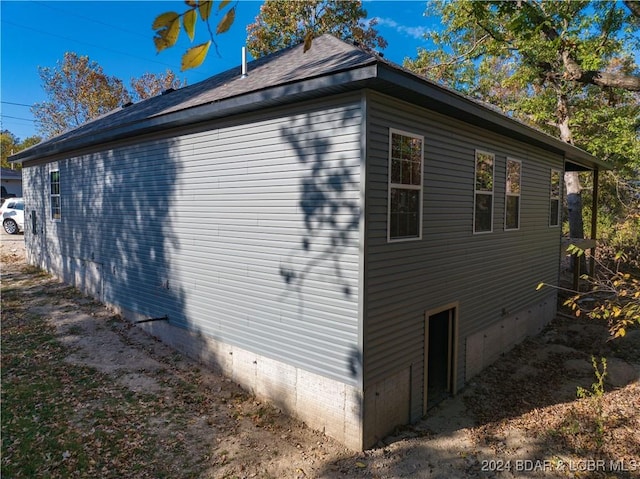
x=477 y=192
x=403 y=186
x=553 y=198
x=509 y=194
x=53 y=195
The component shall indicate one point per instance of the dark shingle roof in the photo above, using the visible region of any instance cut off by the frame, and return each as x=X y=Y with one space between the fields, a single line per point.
x=290 y=75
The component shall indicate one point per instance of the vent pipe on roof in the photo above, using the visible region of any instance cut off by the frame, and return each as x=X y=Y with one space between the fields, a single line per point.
x=244 y=62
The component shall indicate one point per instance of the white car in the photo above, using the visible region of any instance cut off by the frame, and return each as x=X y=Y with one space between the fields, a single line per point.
x=12 y=214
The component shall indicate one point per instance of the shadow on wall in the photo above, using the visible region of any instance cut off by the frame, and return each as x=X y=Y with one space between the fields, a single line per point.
x=113 y=240
x=331 y=214
x=329 y=201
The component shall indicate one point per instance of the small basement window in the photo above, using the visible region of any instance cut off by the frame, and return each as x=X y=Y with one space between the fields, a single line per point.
x=483 y=201
x=512 y=195
x=554 y=200
x=54 y=184
x=406 y=152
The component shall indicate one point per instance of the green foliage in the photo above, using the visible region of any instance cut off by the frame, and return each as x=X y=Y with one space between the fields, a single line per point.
x=11 y=144
x=596 y=397
x=167 y=28
x=558 y=66
x=597 y=388
x=283 y=23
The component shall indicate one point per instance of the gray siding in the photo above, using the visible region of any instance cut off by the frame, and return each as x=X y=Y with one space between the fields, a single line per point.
x=246 y=231
x=490 y=275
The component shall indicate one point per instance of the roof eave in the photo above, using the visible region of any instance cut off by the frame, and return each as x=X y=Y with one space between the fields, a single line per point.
x=434 y=97
x=281 y=94
x=378 y=75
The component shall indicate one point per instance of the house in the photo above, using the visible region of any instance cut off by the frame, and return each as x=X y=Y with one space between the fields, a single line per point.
x=340 y=236
x=11 y=183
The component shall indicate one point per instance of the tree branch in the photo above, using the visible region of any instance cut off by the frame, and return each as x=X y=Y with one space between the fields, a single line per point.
x=606 y=79
x=634 y=7
x=574 y=71
x=460 y=58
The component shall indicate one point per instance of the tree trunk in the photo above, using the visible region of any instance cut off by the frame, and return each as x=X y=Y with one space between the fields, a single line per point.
x=572 y=185
x=574 y=203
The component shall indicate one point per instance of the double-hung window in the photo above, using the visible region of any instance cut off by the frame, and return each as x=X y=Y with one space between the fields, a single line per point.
x=484 y=184
x=512 y=195
x=554 y=198
x=54 y=189
x=406 y=153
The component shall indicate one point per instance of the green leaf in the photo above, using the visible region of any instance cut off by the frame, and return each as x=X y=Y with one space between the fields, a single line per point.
x=189 y=23
x=194 y=56
x=226 y=21
x=204 y=6
x=163 y=20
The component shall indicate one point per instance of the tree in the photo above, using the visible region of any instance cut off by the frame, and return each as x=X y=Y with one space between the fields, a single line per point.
x=11 y=144
x=78 y=90
x=8 y=146
x=549 y=63
x=152 y=84
x=282 y=23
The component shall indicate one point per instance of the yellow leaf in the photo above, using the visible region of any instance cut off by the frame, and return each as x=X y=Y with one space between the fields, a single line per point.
x=191 y=3
x=361 y=465
x=189 y=23
x=205 y=9
x=540 y=286
x=164 y=19
x=167 y=34
x=223 y=4
x=226 y=21
x=194 y=56
x=308 y=39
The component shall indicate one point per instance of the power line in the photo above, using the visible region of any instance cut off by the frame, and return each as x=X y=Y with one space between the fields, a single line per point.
x=18 y=118
x=16 y=104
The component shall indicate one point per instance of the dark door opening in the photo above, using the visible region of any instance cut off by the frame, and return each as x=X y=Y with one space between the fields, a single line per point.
x=439 y=357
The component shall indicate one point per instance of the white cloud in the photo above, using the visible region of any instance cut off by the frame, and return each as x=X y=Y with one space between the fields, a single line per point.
x=414 y=32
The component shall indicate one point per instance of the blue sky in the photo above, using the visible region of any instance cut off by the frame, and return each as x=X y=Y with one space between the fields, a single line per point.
x=118 y=35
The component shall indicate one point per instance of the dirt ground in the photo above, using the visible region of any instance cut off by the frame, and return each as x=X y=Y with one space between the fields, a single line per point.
x=519 y=418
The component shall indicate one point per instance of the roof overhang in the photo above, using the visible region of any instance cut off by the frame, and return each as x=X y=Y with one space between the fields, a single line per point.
x=407 y=86
x=337 y=82
x=377 y=75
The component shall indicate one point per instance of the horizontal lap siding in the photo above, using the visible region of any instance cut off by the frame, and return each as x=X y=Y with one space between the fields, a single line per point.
x=490 y=275
x=247 y=232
